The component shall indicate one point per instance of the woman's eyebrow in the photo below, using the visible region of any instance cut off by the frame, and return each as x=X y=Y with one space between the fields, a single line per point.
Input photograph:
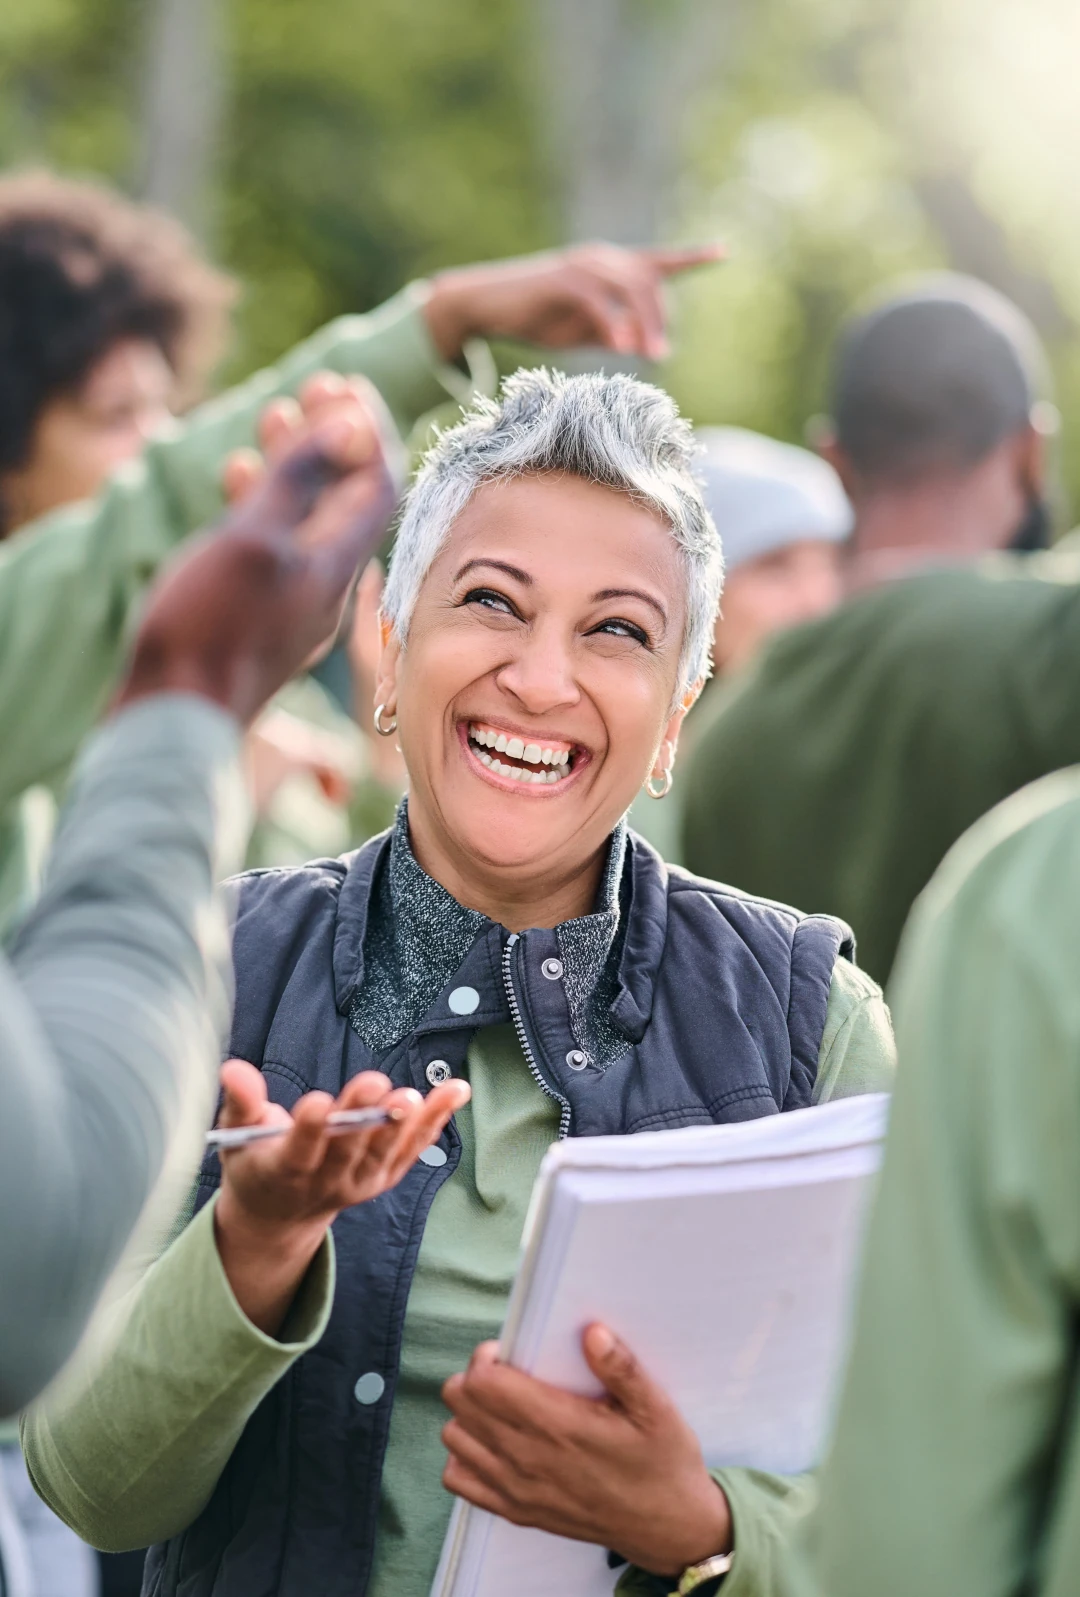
x=499 y=565
x=631 y=593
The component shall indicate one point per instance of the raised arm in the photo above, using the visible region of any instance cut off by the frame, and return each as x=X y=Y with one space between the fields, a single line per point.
x=69 y=582
x=113 y=1007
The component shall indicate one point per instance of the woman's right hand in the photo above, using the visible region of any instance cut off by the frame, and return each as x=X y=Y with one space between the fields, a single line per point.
x=278 y=1197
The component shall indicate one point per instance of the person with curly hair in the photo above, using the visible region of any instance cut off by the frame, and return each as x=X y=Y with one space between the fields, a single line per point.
x=109 y=321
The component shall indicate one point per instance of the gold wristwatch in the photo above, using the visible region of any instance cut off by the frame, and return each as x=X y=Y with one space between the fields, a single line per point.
x=697 y=1576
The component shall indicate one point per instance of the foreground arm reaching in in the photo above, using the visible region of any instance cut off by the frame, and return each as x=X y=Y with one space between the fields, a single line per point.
x=115 y=998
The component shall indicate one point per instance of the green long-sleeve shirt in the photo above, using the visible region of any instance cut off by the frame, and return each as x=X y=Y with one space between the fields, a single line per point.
x=135 y=1456
x=70 y=582
x=955 y=1467
x=113 y=1008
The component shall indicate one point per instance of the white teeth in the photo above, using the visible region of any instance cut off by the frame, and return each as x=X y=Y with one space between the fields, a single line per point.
x=557 y=760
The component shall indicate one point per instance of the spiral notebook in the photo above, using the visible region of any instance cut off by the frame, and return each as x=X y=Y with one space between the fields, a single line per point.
x=724 y=1256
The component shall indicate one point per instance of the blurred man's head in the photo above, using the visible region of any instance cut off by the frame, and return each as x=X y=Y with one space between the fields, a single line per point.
x=108 y=320
x=934 y=403
x=783 y=518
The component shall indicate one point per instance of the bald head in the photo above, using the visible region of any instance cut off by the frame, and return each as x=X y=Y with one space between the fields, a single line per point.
x=933 y=380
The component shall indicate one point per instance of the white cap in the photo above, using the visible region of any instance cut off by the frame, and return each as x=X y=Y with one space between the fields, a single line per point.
x=764 y=495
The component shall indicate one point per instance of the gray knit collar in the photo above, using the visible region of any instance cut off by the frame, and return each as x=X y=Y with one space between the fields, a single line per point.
x=418 y=934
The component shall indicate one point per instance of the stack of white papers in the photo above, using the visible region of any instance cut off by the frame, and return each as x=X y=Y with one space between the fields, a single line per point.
x=724 y=1257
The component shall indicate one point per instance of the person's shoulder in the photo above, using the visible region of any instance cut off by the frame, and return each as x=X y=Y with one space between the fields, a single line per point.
x=687 y=891
x=269 y=888
x=1015 y=874
x=853 y=986
x=684 y=886
x=280 y=895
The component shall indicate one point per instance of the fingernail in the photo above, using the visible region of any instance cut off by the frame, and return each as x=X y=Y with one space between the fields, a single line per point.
x=603 y=1343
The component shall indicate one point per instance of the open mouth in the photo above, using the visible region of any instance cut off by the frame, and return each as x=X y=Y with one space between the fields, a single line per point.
x=534 y=764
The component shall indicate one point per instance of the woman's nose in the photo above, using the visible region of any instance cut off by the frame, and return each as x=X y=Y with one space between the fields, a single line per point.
x=541 y=674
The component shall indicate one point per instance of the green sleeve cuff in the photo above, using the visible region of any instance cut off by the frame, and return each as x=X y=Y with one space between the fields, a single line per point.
x=764 y=1512
x=303 y=1325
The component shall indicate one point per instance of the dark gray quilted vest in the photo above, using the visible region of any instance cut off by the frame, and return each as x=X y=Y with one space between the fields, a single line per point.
x=722 y=998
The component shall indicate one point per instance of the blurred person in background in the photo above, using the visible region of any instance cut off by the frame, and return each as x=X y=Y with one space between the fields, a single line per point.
x=783 y=519
x=107 y=319
x=109 y=323
x=954 y=1466
x=548 y=620
x=843 y=766
x=115 y=999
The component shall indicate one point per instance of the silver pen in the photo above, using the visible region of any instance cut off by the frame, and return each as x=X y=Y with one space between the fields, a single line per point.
x=338 y=1125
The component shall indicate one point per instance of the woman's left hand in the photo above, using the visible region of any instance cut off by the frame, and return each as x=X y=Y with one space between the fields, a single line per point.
x=624 y=1470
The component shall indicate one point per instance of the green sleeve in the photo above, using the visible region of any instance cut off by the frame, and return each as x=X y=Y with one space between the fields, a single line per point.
x=114 y=1006
x=70 y=581
x=858 y=1050
x=954 y=1465
x=132 y=1456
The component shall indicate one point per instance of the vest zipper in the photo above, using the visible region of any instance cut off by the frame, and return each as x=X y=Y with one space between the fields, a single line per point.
x=526 y=1045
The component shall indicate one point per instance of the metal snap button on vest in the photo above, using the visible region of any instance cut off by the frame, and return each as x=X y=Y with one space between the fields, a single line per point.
x=369 y=1388
x=577 y=1060
x=433 y=1156
x=437 y=1072
x=463 y=1000
x=552 y=969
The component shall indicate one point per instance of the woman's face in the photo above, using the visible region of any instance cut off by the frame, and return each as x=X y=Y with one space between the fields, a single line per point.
x=534 y=693
x=82 y=437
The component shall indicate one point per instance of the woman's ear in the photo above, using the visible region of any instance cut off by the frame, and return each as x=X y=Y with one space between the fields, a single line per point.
x=670 y=741
x=386 y=690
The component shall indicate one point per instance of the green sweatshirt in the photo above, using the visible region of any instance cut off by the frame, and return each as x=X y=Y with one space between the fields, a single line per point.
x=955 y=1467
x=71 y=582
x=837 y=774
x=134 y=1456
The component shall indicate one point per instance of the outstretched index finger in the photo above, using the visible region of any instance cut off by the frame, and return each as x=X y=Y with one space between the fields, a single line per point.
x=669 y=261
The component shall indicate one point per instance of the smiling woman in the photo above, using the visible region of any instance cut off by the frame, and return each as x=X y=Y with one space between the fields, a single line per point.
x=546 y=628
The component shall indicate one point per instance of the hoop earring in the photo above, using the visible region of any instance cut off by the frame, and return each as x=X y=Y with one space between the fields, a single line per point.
x=384 y=731
x=666 y=783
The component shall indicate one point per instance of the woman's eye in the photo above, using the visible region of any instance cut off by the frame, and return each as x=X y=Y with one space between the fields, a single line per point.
x=623 y=629
x=490 y=600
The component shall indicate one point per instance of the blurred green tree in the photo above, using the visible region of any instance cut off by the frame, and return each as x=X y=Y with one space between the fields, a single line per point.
x=834 y=143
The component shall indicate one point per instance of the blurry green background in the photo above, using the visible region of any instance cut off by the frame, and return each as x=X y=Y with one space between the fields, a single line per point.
x=328 y=150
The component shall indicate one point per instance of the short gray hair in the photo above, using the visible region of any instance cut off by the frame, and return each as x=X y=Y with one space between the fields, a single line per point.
x=616 y=431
